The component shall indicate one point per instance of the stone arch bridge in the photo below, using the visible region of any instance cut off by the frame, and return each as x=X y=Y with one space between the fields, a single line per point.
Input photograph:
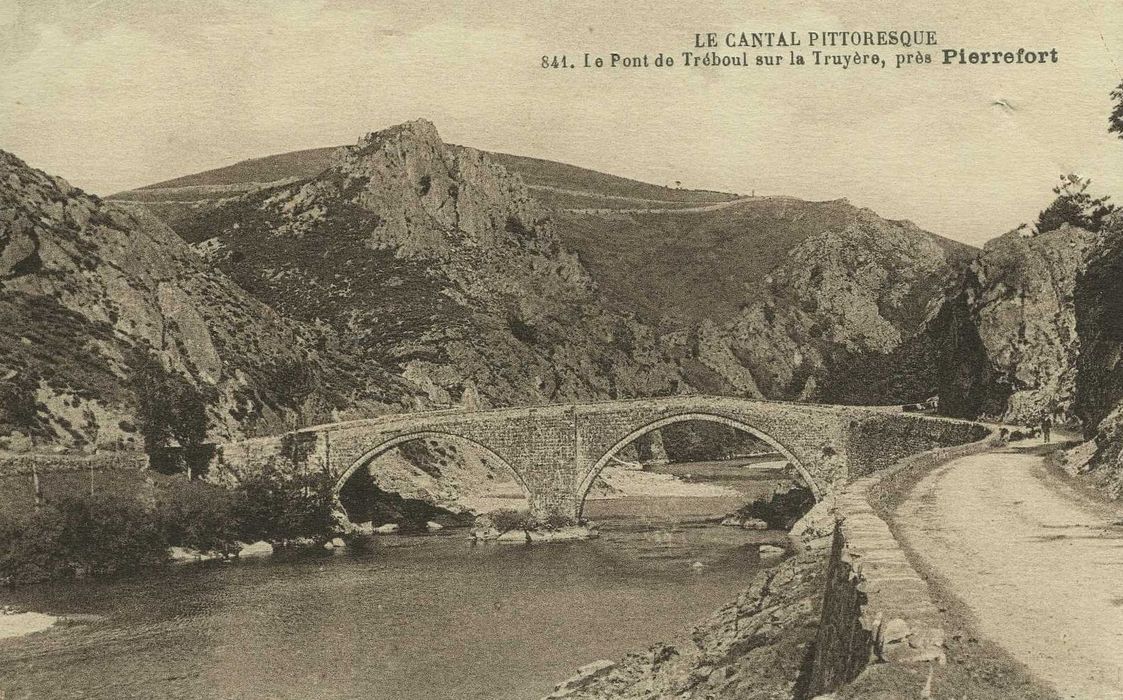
x=556 y=451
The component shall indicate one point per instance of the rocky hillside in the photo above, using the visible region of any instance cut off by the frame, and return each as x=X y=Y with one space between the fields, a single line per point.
x=1099 y=371
x=92 y=292
x=844 y=298
x=1006 y=338
x=435 y=262
x=730 y=289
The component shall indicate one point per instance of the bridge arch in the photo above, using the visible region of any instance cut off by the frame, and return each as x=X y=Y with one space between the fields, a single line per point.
x=598 y=467
x=387 y=445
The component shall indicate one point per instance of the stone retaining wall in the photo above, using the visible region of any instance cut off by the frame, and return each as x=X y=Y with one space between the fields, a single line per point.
x=879 y=441
x=876 y=607
x=58 y=476
x=19 y=464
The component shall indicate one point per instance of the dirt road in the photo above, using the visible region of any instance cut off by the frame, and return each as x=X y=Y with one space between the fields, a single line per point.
x=1040 y=566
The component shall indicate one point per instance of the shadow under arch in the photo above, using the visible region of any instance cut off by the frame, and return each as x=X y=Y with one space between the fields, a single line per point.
x=384 y=447
x=587 y=483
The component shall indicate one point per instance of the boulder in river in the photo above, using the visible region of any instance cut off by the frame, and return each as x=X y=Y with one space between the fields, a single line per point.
x=256 y=549
x=770 y=550
x=387 y=529
x=563 y=534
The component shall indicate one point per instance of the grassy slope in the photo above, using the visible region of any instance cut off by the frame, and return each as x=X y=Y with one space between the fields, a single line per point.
x=298 y=164
x=536 y=173
x=693 y=265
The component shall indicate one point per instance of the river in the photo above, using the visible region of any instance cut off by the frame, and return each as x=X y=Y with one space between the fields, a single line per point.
x=428 y=617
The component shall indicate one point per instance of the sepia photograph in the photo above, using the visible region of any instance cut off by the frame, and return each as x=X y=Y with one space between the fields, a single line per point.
x=397 y=350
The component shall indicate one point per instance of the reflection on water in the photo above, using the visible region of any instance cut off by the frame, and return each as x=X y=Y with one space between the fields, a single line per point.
x=419 y=617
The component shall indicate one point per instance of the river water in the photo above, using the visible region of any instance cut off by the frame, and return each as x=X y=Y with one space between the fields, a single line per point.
x=427 y=617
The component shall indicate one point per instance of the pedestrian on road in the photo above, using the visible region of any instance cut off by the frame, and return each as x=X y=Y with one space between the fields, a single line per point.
x=1046 y=428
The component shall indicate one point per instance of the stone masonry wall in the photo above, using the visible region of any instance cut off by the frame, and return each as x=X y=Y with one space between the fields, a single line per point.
x=44 y=463
x=880 y=440
x=24 y=476
x=876 y=607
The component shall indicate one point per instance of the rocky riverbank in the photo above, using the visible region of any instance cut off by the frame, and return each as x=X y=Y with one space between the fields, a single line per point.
x=758 y=647
x=754 y=648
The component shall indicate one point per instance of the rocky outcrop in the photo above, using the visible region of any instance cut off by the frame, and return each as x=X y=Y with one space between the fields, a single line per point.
x=1099 y=324
x=1099 y=460
x=862 y=289
x=1099 y=369
x=434 y=261
x=753 y=296
x=752 y=648
x=1007 y=336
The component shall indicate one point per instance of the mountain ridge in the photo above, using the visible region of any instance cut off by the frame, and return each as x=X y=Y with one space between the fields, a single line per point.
x=700 y=268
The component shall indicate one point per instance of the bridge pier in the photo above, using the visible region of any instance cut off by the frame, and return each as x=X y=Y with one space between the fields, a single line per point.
x=546 y=505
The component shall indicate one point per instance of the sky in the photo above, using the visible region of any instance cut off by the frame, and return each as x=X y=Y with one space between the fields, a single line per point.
x=114 y=94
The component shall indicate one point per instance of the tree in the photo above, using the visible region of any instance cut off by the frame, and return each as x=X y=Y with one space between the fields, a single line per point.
x=1115 y=120
x=1075 y=206
x=279 y=507
x=169 y=408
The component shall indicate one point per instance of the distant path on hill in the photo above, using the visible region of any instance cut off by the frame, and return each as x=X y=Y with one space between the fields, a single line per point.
x=1039 y=565
x=657 y=206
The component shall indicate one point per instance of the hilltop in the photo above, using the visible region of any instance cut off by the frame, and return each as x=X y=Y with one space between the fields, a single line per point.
x=438 y=264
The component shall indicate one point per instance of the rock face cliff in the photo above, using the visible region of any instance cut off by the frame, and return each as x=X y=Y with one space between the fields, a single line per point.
x=1006 y=338
x=858 y=291
x=433 y=261
x=1099 y=367
x=89 y=288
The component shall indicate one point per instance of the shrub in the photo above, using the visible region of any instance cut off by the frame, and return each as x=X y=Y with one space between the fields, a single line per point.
x=170 y=409
x=523 y=331
x=30 y=548
x=506 y=519
x=271 y=506
x=553 y=521
x=18 y=407
x=108 y=532
x=198 y=515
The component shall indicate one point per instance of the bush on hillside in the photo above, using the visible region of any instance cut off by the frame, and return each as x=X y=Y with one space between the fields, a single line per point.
x=170 y=410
